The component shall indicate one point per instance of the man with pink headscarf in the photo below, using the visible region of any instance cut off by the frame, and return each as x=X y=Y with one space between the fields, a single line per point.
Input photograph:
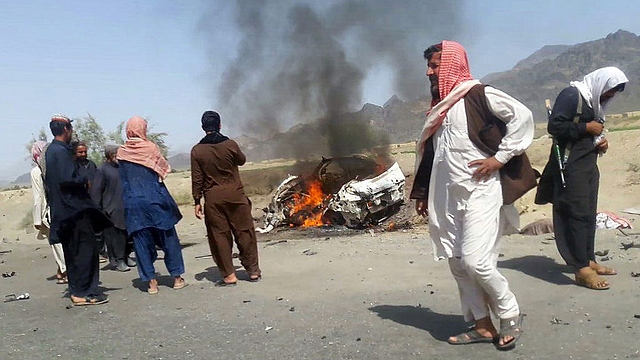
x=150 y=213
x=458 y=186
x=41 y=216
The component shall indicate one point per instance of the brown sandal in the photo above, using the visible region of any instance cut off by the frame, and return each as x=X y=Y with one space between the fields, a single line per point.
x=590 y=279
x=601 y=269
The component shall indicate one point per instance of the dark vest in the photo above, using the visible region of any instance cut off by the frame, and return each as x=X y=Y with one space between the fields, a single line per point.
x=486 y=132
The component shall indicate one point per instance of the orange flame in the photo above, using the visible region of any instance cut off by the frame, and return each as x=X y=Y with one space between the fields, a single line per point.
x=310 y=205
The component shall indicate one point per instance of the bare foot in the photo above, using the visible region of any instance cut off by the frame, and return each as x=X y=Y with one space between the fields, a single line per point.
x=589 y=278
x=601 y=269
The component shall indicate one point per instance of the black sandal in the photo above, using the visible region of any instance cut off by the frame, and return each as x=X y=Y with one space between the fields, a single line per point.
x=470 y=337
x=510 y=327
x=91 y=300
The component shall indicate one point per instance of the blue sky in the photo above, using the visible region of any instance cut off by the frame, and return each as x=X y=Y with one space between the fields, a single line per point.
x=116 y=59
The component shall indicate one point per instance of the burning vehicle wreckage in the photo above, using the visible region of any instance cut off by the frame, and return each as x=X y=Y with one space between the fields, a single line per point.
x=353 y=191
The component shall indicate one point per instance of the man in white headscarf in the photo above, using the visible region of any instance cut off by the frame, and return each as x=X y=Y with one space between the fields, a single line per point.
x=576 y=123
x=41 y=215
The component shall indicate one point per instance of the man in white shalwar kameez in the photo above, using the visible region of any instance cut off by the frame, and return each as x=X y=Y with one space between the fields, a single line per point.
x=41 y=209
x=462 y=193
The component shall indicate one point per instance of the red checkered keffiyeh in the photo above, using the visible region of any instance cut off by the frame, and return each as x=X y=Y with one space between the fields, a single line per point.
x=454 y=81
x=454 y=67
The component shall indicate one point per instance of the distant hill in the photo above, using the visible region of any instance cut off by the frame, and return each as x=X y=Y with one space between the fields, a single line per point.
x=180 y=162
x=24 y=179
x=543 y=74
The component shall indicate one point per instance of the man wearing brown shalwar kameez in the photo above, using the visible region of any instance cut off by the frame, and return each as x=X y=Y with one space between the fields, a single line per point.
x=227 y=210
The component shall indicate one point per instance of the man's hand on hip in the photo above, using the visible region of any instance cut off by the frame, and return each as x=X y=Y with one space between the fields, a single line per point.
x=486 y=168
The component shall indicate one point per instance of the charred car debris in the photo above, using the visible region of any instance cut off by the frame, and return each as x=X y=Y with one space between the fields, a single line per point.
x=354 y=191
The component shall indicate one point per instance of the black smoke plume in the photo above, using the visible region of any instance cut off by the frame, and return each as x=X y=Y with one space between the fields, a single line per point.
x=297 y=63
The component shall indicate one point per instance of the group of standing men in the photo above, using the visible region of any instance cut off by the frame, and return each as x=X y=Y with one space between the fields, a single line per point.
x=470 y=168
x=127 y=202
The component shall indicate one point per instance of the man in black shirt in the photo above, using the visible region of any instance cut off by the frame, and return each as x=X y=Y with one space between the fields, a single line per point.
x=74 y=217
x=106 y=192
x=577 y=123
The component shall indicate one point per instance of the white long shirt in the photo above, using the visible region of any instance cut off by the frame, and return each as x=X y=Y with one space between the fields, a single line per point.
x=40 y=208
x=452 y=189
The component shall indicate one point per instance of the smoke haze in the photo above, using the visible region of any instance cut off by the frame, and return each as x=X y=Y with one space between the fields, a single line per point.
x=298 y=62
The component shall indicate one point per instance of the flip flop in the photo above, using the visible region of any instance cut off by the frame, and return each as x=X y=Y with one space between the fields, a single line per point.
x=510 y=327
x=62 y=281
x=222 y=283
x=180 y=285
x=91 y=300
x=470 y=337
x=254 y=280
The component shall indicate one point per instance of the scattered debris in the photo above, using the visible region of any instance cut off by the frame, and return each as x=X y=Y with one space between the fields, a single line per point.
x=635 y=274
x=358 y=339
x=556 y=321
x=538 y=227
x=5 y=251
x=202 y=256
x=8 y=274
x=292 y=309
x=246 y=301
x=608 y=326
x=14 y=297
x=309 y=252
x=411 y=261
x=632 y=211
x=629 y=245
x=602 y=253
x=275 y=242
x=268 y=328
x=609 y=220
x=637 y=316
x=622 y=232
x=401 y=225
x=606 y=258
x=235 y=255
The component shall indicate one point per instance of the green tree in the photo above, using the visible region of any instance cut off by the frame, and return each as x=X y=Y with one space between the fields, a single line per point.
x=159 y=138
x=116 y=135
x=88 y=130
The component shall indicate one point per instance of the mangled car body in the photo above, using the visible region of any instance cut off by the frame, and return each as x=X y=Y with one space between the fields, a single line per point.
x=351 y=191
